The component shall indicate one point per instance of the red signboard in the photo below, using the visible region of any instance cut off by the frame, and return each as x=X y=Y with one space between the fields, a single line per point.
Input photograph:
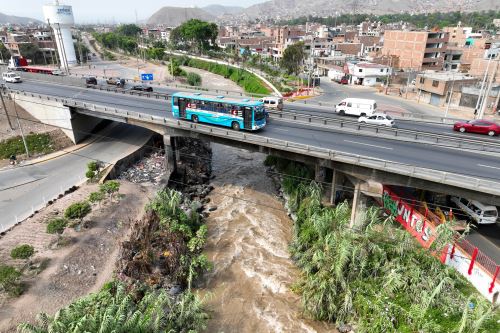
x=413 y=221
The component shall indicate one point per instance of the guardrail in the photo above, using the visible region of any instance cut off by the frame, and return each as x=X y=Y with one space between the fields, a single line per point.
x=390 y=133
x=438 y=176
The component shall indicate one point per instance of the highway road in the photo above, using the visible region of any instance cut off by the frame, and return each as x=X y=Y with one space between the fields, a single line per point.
x=24 y=189
x=429 y=156
x=422 y=155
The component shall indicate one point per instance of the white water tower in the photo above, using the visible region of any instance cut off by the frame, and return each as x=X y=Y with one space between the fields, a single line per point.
x=60 y=19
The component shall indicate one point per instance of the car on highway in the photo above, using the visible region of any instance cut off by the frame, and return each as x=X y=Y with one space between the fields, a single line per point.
x=116 y=81
x=272 y=102
x=142 y=87
x=479 y=212
x=356 y=107
x=480 y=126
x=58 y=72
x=11 y=77
x=90 y=80
x=377 y=119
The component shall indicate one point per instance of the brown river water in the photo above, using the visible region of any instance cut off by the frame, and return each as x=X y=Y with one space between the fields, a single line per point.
x=248 y=236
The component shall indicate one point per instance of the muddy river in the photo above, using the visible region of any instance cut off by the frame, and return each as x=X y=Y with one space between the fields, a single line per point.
x=249 y=233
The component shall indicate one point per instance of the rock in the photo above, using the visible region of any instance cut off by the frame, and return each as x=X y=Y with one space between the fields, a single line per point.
x=197 y=206
x=345 y=328
x=213 y=208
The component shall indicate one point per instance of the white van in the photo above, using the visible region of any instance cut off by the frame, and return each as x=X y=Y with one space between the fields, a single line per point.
x=11 y=77
x=479 y=212
x=272 y=102
x=356 y=107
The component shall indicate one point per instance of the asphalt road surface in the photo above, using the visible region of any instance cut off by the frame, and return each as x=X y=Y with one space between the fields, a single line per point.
x=24 y=189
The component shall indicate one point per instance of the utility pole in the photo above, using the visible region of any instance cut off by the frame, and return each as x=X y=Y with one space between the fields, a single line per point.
x=479 y=100
x=389 y=71
x=20 y=127
x=484 y=106
x=5 y=108
x=450 y=95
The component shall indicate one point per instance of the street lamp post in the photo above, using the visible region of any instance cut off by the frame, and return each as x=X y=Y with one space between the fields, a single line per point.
x=450 y=94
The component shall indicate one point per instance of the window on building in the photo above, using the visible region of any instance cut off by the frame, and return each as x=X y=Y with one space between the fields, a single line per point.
x=381 y=70
x=435 y=83
x=360 y=70
x=422 y=80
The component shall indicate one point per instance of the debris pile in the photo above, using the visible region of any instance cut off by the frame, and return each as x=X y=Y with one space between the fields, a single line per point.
x=149 y=169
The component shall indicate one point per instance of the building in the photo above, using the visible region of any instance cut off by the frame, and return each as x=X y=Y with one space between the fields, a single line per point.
x=417 y=50
x=367 y=73
x=436 y=88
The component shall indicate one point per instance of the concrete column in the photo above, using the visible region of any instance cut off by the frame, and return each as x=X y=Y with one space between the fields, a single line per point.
x=319 y=173
x=170 y=161
x=334 y=187
x=358 y=207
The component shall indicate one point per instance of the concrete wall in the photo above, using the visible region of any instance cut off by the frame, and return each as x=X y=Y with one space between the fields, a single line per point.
x=75 y=126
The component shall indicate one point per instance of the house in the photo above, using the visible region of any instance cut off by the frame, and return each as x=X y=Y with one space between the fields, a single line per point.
x=436 y=88
x=367 y=73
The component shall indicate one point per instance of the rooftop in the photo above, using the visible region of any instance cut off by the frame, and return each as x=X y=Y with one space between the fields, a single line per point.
x=446 y=76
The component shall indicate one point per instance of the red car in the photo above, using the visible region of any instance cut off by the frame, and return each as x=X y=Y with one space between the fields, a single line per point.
x=480 y=126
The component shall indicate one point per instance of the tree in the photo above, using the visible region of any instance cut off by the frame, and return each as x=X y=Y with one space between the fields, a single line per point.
x=110 y=187
x=4 y=53
x=293 y=58
x=33 y=52
x=197 y=35
x=130 y=30
x=194 y=79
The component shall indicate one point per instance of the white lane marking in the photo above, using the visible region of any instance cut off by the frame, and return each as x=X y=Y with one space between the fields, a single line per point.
x=366 y=144
x=281 y=129
x=488 y=166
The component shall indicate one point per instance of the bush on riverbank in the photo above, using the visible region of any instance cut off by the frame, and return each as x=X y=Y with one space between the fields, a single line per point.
x=23 y=251
x=375 y=276
x=37 y=144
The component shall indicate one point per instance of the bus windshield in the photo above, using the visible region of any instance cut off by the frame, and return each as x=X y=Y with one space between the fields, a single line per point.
x=259 y=113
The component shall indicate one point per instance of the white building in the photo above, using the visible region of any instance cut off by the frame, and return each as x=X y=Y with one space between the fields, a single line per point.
x=367 y=73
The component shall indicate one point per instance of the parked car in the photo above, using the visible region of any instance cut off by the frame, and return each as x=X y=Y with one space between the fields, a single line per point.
x=142 y=87
x=90 y=80
x=377 y=119
x=480 y=126
x=479 y=212
x=356 y=107
x=344 y=80
x=11 y=77
x=273 y=102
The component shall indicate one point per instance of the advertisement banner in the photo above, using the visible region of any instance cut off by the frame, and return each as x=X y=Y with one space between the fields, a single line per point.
x=413 y=221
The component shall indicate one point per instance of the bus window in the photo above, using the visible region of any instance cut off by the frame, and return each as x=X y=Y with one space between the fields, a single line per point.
x=259 y=113
x=176 y=101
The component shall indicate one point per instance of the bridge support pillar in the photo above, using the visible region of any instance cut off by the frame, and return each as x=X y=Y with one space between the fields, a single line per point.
x=319 y=174
x=358 y=207
x=170 y=154
x=336 y=175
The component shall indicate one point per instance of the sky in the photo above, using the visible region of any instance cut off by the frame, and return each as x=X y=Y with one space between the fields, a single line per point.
x=109 y=11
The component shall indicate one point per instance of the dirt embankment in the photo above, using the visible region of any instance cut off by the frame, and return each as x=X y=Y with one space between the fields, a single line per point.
x=84 y=262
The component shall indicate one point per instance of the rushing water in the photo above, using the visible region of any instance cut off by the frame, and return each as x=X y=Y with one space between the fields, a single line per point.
x=248 y=237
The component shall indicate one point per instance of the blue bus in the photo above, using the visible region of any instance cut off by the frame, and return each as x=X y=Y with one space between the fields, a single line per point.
x=237 y=113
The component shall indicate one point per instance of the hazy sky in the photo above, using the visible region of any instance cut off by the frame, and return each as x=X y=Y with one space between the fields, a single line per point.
x=107 y=11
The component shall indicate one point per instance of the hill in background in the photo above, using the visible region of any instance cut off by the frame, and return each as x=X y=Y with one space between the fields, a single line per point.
x=6 y=19
x=174 y=16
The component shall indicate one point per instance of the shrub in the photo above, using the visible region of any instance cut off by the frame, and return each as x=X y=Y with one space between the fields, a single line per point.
x=37 y=143
x=77 y=210
x=194 y=79
x=9 y=280
x=96 y=197
x=92 y=166
x=56 y=226
x=110 y=187
x=90 y=174
x=22 y=251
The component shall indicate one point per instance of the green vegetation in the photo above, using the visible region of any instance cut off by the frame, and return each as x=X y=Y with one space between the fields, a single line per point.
x=116 y=309
x=4 y=53
x=56 y=226
x=185 y=236
x=78 y=210
x=248 y=81
x=194 y=35
x=293 y=56
x=81 y=49
x=375 y=276
x=110 y=187
x=23 y=251
x=194 y=79
x=108 y=55
x=124 y=38
x=478 y=20
x=9 y=280
x=37 y=144
x=174 y=67
x=95 y=197
x=92 y=170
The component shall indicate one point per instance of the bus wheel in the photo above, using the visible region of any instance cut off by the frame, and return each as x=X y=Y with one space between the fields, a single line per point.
x=194 y=118
x=235 y=125
x=342 y=112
